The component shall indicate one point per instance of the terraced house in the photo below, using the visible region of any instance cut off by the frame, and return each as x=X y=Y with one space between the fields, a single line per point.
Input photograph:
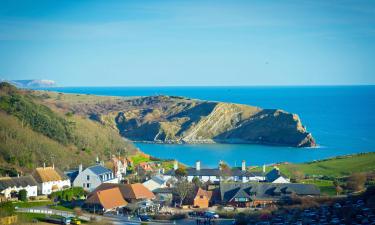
x=10 y=186
x=218 y=174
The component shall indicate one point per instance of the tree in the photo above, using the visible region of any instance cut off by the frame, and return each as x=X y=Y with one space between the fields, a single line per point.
x=338 y=189
x=196 y=182
x=183 y=187
x=181 y=172
x=225 y=170
x=22 y=195
x=356 y=181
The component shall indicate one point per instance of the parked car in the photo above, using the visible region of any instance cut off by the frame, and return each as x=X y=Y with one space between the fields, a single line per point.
x=211 y=215
x=145 y=218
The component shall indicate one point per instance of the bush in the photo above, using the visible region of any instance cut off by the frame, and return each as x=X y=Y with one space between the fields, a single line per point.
x=22 y=195
x=68 y=194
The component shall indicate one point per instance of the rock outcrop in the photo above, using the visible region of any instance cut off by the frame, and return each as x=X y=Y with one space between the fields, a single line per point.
x=169 y=119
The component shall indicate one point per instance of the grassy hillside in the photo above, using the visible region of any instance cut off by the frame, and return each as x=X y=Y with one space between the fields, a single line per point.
x=334 y=167
x=31 y=133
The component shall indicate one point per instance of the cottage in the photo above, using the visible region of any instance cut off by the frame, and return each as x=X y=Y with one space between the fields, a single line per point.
x=105 y=200
x=50 y=179
x=218 y=174
x=275 y=176
x=145 y=168
x=155 y=182
x=202 y=198
x=10 y=186
x=254 y=194
x=93 y=176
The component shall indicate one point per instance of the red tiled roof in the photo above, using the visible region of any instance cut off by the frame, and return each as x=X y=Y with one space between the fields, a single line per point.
x=129 y=191
x=109 y=198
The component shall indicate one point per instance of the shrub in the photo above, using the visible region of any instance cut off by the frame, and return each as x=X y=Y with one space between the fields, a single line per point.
x=22 y=195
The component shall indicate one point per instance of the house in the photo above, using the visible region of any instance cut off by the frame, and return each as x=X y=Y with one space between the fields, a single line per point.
x=275 y=176
x=10 y=186
x=145 y=167
x=218 y=174
x=202 y=198
x=255 y=194
x=50 y=179
x=93 y=176
x=155 y=182
x=130 y=192
x=105 y=200
x=120 y=166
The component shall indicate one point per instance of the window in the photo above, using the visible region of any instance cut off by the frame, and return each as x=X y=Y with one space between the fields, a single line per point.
x=201 y=196
x=88 y=185
x=88 y=177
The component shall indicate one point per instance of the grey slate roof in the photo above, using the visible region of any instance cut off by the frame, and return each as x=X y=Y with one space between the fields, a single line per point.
x=271 y=191
x=158 y=180
x=99 y=169
x=273 y=175
x=17 y=182
x=191 y=171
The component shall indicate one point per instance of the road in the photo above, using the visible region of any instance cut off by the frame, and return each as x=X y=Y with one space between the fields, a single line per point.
x=118 y=220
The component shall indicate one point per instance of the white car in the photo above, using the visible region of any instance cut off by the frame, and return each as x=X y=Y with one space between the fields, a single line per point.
x=210 y=214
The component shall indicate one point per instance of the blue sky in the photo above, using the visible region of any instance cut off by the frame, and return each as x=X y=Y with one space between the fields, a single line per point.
x=188 y=43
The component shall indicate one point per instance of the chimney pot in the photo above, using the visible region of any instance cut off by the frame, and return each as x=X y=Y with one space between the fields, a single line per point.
x=243 y=167
x=198 y=165
x=175 y=165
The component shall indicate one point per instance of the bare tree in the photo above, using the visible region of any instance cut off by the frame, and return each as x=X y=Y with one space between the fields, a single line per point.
x=183 y=187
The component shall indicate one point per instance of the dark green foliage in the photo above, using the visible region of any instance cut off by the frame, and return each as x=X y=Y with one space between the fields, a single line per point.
x=22 y=195
x=6 y=209
x=69 y=194
x=39 y=117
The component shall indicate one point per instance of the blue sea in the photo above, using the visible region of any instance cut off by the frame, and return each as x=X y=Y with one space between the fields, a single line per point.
x=341 y=118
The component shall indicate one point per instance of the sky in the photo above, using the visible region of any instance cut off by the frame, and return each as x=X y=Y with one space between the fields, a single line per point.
x=188 y=43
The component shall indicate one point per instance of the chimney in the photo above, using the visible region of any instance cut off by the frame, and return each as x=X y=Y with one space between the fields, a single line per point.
x=198 y=165
x=97 y=160
x=80 y=168
x=44 y=165
x=175 y=165
x=243 y=166
x=264 y=168
x=18 y=175
x=53 y=165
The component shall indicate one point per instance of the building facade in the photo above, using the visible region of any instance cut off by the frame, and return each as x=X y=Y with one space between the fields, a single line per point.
x=93 y=176
x=50 y=179
x=10 y=186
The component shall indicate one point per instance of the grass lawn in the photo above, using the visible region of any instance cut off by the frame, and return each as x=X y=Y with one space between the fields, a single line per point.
x=62 y=208
x=139 y=158
x=326 y=186
x=31 y=204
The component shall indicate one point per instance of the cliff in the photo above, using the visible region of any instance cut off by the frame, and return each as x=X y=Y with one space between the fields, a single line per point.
x=171 y=119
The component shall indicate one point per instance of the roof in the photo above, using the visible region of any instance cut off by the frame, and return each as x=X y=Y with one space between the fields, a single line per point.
x=99 y=169
x=24 y=181
x=166 y=190
x=229 y=191
x=216 y=172
x=47 y=174
x=158 y=179
x=273 y=175
x=108 y=198
x=129 y=191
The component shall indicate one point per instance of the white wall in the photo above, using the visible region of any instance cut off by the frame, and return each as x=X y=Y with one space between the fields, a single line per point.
x=46 y=187
x=32 y=191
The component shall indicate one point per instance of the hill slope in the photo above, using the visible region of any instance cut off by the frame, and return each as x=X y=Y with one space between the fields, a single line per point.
x=170 y=119
x=31 y=133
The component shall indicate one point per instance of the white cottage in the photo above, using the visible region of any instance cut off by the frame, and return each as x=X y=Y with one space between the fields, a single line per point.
x=50 y=179
x=275 y=176
x=155 y=183
x=10 y=186
x=93 y=176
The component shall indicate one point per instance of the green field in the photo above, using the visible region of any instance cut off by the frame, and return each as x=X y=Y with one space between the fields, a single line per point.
x=334 y=167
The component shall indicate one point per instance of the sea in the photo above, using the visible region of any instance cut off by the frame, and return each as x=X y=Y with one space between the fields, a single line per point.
x=341 y=119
